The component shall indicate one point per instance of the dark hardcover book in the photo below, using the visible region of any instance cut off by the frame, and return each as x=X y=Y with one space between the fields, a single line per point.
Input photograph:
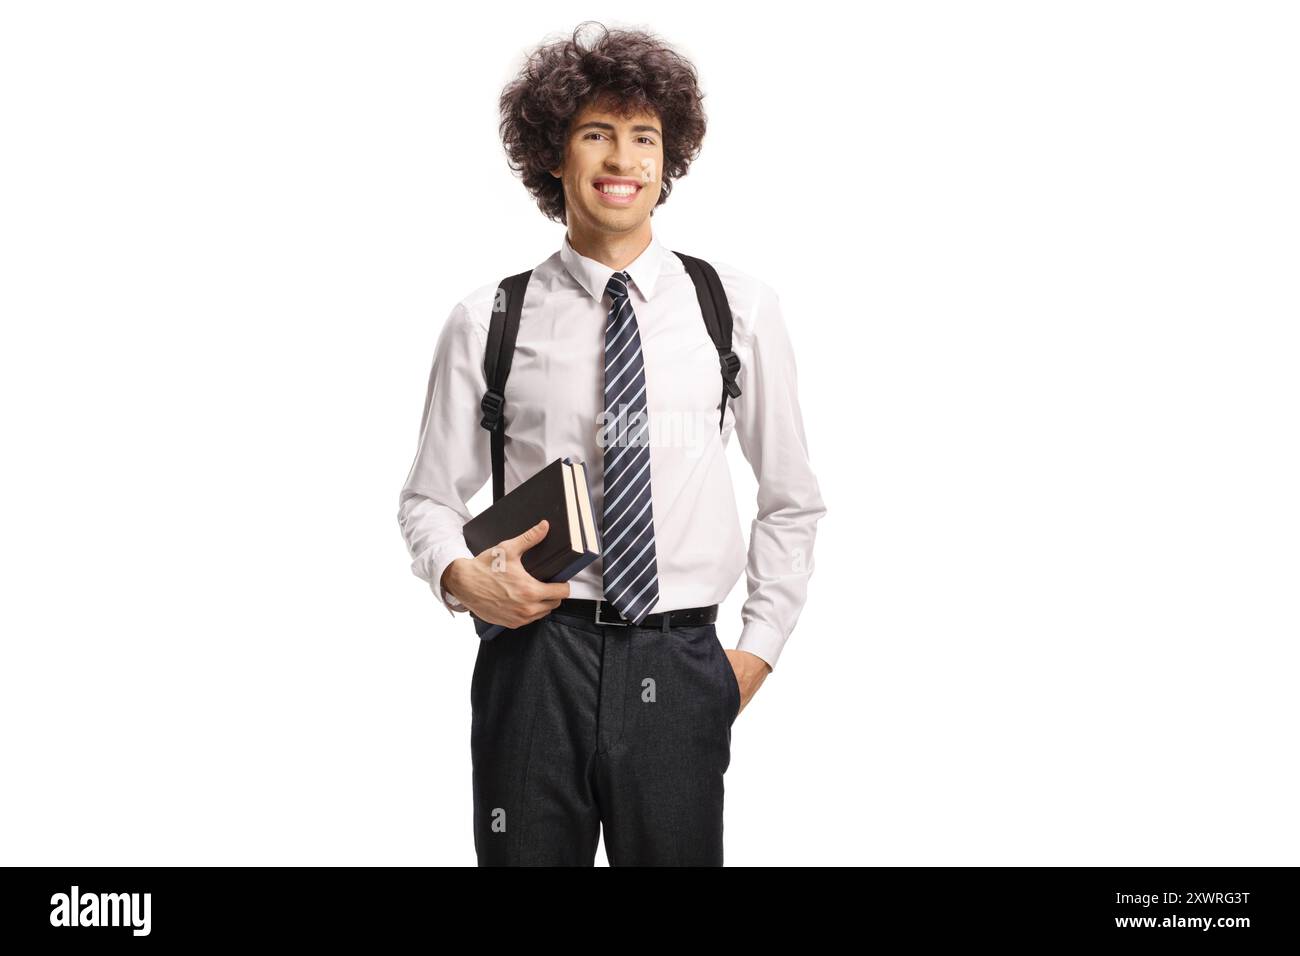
x=571 y=542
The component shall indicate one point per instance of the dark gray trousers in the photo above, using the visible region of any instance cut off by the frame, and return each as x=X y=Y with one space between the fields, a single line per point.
x=577 y=724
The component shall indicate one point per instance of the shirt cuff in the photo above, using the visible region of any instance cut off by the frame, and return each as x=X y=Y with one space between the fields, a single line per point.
x=437 y=565
x=761 y=640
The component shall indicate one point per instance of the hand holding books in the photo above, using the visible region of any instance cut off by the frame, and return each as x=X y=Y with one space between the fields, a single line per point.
x=497 y=588
x=521 y=563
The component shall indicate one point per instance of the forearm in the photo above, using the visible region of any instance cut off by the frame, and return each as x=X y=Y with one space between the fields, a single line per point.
x=777 y=573
x=434 y=539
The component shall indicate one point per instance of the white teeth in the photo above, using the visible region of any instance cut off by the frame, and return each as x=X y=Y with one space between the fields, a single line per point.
x=617 y=190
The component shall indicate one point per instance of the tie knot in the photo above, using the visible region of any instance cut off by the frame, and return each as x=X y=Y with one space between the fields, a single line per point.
x=616 y=288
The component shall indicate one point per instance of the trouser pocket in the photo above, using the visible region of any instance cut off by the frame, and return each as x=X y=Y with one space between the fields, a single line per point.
x=729 y=676
x=706 y=637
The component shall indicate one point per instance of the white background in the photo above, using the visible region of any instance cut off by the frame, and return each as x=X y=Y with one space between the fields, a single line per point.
x=1039 y=266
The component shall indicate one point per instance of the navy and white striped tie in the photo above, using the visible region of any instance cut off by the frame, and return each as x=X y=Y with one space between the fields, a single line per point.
x=631 y=573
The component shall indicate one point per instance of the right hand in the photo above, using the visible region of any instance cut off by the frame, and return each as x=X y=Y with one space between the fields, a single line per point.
x=497 y=589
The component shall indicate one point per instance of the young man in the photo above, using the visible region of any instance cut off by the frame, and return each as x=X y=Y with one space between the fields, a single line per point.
x=610 y=699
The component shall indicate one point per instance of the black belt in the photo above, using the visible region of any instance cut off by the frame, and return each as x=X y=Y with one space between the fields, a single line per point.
x=602 y=612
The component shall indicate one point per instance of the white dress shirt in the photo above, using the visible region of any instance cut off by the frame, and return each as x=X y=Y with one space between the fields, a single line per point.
x=554 y=404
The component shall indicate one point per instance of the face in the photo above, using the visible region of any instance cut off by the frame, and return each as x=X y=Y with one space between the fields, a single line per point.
x=611 y=171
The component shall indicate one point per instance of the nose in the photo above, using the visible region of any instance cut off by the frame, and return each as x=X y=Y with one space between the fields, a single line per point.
x=621 y=160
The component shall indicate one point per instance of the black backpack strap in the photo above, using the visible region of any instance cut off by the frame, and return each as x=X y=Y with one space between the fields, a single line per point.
x=500 y=351
x=717 y=319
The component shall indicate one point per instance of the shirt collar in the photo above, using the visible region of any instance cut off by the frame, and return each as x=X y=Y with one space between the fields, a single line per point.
x=594 y=276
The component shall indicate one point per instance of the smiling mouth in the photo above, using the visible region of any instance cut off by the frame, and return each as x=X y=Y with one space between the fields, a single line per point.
x=619 y=193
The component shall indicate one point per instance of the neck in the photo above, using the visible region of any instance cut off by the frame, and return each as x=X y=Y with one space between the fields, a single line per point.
x=616 y=250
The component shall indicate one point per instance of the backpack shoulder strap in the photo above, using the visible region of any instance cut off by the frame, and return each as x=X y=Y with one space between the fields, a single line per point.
x=500 y=350
x=717 y=319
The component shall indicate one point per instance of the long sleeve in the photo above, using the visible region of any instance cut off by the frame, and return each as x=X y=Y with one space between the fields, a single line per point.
x=769 y=427
x=452 y=461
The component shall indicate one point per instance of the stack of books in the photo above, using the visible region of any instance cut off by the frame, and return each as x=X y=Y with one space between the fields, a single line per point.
x=560 y=494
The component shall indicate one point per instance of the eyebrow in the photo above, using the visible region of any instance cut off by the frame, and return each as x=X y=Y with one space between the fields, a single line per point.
x=610 y=127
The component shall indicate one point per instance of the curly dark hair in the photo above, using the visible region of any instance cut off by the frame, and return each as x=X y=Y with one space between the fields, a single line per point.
x=631 y=71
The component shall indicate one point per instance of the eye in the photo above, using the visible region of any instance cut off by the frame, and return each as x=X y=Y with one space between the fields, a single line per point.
x=645 y=140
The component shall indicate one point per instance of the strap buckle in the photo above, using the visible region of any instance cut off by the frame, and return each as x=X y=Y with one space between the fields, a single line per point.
x=730 y=363
x=600 y=603
x=492 y=403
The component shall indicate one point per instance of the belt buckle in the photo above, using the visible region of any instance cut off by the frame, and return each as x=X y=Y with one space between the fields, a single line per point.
x=599 y=604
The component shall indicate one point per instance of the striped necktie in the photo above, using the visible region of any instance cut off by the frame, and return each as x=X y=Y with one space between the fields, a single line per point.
x=631 y=573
